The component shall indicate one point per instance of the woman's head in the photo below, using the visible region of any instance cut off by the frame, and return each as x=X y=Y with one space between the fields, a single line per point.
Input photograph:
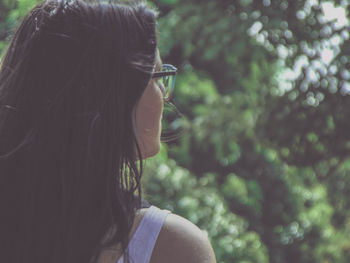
x=93 y=57
x=76 y=82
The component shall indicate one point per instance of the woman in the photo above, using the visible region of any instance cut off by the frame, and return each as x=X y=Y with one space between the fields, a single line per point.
x=81 y=103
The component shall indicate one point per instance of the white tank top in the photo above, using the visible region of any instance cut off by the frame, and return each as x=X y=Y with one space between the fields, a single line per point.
x=141 y=245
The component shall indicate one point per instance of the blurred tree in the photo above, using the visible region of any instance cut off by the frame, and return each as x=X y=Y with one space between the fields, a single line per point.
x=245 y=47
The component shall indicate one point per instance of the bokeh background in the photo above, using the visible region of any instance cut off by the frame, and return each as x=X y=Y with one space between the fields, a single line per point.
x=260 y=156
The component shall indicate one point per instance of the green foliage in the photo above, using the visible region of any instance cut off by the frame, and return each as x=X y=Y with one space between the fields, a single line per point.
x=167 y=2
x=11 y=12
x=231 y=135
x=174 y=188
x=247 y=193
x=23 y=7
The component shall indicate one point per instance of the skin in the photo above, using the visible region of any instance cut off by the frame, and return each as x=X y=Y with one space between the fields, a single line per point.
x=179 y=239
x=149 y=111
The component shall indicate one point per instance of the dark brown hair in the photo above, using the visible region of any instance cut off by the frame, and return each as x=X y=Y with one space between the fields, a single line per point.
x=69 y=84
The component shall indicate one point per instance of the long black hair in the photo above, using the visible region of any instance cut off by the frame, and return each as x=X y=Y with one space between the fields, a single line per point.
x=69 y=170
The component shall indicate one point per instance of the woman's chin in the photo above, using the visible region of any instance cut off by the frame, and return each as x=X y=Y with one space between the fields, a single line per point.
x=149 y=150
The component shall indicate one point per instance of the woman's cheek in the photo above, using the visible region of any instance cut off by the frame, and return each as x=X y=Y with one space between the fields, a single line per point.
x=148 y=121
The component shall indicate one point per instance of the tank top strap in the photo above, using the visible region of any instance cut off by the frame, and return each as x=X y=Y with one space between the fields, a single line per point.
x=141 y=245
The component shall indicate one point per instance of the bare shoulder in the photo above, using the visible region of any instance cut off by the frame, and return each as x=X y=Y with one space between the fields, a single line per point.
x=182 y=241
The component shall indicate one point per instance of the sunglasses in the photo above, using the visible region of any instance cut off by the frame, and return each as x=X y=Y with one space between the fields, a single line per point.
x=167 y=79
